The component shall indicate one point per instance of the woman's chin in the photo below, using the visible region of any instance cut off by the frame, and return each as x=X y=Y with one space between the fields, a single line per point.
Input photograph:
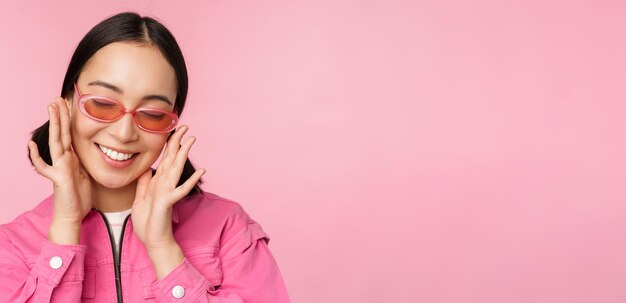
x=112 y=183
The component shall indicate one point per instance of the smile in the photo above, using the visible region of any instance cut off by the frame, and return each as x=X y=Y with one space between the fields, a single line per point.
x=114 y=154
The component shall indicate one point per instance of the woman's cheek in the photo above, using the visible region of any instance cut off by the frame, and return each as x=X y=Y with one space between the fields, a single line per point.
x=156 y=146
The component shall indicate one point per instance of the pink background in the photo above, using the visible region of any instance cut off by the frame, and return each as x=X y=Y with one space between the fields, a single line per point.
x=394 y=151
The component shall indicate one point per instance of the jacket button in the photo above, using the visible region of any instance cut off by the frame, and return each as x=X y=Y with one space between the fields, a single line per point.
x=56 y=262
x=178 y=292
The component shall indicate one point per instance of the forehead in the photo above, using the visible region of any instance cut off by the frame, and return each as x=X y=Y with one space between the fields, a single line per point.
x=138 y=70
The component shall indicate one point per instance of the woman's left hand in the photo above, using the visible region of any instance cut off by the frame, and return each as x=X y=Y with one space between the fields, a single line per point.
x=156 y=195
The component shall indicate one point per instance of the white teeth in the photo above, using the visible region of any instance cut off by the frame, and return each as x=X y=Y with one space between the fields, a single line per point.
x=114 y=154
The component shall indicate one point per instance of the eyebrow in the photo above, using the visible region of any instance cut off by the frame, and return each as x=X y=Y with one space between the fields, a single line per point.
x=119 y=91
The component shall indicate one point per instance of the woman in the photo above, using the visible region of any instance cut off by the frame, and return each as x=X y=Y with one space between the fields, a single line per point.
x=115 y=229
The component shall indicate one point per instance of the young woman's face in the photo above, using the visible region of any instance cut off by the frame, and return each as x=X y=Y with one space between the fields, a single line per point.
x=136 y=72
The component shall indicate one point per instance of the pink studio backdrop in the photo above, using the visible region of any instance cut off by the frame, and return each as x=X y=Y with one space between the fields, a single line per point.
x=394 y=151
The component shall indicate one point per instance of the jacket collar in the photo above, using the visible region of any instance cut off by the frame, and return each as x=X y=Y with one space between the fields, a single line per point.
x=175 y=218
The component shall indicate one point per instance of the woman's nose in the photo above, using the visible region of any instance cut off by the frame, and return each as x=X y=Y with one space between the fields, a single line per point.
x=124 y=129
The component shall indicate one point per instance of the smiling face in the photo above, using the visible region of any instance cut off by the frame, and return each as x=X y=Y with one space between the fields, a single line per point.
x=127 y=73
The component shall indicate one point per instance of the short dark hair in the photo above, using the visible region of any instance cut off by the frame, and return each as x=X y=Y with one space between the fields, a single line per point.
x=124 y=27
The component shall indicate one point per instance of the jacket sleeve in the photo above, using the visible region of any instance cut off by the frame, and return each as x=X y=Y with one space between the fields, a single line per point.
x=250 y=274
x=56 y=275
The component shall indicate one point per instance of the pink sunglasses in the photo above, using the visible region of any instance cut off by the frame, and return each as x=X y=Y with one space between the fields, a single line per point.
x=108 y=110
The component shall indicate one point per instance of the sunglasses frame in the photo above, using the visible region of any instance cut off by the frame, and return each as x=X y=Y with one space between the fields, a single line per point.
x=82 y=98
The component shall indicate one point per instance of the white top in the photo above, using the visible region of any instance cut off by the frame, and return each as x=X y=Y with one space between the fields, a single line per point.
x=116 y=221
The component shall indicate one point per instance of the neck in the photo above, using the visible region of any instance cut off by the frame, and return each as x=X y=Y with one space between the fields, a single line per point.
x=113 y=199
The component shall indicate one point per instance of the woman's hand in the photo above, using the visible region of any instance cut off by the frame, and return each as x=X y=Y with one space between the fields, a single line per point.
x=72 y=184
x=156 y=195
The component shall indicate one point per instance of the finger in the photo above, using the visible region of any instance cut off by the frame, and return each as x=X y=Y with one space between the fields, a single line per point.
x=40 y=165
x=66 y=137
x=183 y=153
x=142 y=185
x=53 y=133
x=186 y=187
x=173 y=144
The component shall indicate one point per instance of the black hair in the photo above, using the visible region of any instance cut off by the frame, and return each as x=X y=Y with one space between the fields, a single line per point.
x=124 y=27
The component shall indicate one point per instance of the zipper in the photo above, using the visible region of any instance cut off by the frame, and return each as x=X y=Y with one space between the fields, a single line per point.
x=116 y=259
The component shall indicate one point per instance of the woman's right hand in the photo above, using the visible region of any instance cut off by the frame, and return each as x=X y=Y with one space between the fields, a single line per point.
x=72 y=183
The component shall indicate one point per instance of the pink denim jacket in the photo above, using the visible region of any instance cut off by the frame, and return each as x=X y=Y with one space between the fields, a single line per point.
x=227 y=259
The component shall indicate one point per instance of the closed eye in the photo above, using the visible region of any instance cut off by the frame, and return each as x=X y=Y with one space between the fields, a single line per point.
x=102 y=103
x=153 y=115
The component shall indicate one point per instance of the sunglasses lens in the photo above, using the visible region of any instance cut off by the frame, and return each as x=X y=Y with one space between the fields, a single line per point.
x=109 y=111
x=154 y=120
x=103 y=109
